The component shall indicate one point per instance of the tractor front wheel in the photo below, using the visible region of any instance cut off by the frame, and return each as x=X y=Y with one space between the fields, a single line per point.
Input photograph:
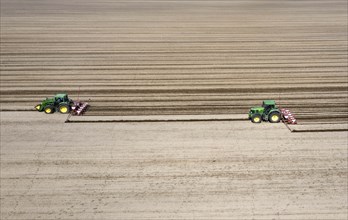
x=49 y=109
x=274 y=117
x=256 y=119
x=38 y=107
x=64 y=108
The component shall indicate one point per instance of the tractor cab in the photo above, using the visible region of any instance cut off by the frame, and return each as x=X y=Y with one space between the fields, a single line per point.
x=61 y=98
x=268 y=105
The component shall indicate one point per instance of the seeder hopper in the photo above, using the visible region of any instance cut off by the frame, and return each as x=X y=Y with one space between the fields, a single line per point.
x=78 y=108
x=287 y=116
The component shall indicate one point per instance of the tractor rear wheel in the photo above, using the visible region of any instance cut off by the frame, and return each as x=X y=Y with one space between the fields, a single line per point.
x=64 y=108
x=256 y=118
x=274 y=117
x=49 y=109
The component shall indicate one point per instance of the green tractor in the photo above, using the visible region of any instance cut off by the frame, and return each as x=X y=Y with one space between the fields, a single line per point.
x=267 y=112
x=59 y=102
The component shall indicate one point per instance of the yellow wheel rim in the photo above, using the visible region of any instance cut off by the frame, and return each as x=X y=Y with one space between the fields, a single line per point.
x=38 y=107
x=275 y=118
x=63 y=109
x=257 y=119
x=48 y=110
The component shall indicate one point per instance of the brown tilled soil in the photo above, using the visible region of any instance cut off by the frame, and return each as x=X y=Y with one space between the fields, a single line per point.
x=169 y=170
x=177 y=57
x=150 y=57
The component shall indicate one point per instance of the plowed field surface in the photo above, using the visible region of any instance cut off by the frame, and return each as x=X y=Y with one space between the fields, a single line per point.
x=177 y=57
x=169 y=170
x=141 y=58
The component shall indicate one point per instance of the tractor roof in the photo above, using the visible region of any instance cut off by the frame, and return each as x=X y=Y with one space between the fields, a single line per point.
x=257 y=108
x=61 y=95
x=268 y=102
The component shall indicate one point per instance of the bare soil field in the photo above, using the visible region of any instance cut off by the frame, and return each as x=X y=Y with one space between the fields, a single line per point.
x=177 y=57
x=176 y=170
x=141 y=59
